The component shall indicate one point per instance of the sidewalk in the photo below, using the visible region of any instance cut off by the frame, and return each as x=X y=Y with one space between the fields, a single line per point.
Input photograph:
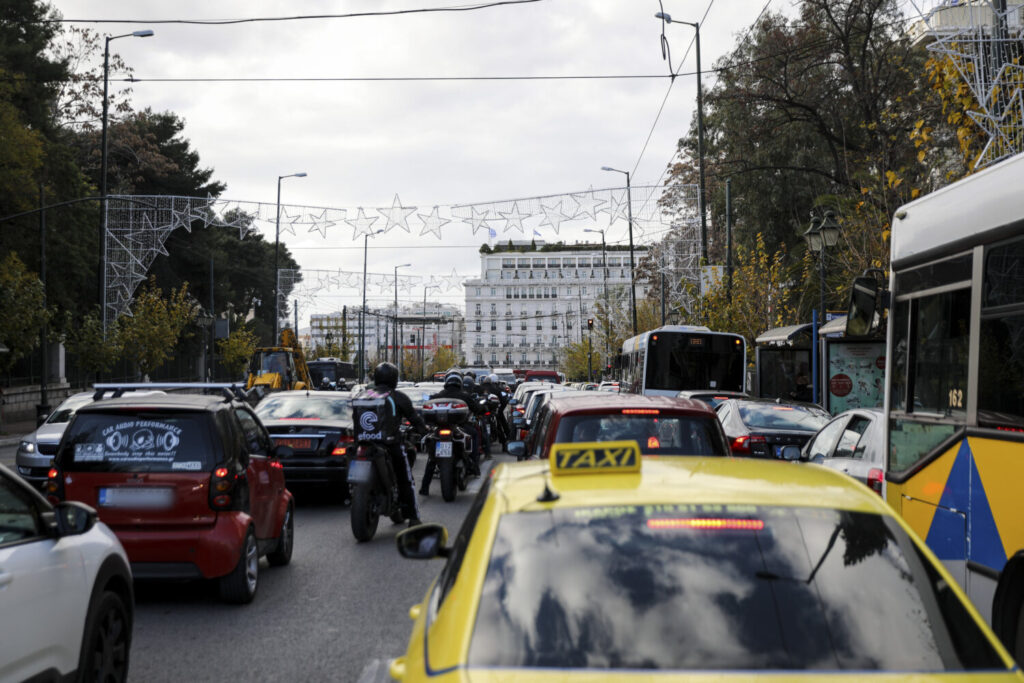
x=11 y=433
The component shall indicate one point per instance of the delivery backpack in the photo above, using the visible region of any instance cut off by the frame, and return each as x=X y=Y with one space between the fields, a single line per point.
x=375 y=417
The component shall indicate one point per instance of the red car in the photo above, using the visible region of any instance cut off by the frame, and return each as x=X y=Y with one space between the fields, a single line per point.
x=542 y=376
x=190 y=484
x=659 y=424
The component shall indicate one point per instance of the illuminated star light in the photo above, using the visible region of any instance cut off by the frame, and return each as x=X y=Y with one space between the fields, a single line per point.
x=361 y=224
x=587 y=204
x=432 y=222
x=513 y=219
x=288 y=222
x=477 y=220
x=320 y=222
x=453 y=280
x=397 y=215
x=553 y=215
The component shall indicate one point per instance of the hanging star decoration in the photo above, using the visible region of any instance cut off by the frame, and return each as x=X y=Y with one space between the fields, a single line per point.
x=553 y=215
x=288 y=222
x=513 y=218
x=477 y=220
x=619 y=207
x=361 y=224
x=432 y=222
x=320 y=222
x=406 y=283
x=181 y=219
x=397 y=216
x=586 y=204
x=452 y=281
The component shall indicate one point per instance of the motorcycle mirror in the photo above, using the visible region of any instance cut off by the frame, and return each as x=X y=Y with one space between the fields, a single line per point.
x=423 y=542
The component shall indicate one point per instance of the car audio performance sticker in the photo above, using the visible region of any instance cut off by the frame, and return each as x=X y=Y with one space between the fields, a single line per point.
x=137 y=441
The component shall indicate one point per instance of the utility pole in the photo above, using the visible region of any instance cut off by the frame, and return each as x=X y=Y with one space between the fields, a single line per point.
x=728 y=238
x=43 y=409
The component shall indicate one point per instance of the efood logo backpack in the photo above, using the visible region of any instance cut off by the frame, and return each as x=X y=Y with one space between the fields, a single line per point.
x=375 y=417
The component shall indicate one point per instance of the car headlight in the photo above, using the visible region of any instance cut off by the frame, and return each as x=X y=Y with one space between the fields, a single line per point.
x=27 y=447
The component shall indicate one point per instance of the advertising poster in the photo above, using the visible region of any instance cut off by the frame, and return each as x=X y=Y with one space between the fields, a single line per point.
x=856 y=375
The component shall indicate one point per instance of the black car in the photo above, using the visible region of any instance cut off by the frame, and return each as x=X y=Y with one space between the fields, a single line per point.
x=762 y=427
x=317 y=426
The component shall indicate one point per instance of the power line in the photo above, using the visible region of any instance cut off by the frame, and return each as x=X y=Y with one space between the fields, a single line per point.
x=298 y=17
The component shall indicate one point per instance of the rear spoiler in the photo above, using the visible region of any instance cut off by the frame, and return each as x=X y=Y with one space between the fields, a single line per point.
x=230 y=391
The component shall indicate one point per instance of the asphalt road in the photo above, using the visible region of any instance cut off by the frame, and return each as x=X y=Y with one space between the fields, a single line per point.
x=339 y=609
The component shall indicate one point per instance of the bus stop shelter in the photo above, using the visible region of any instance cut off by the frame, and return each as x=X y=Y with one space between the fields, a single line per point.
x=783 y=363
x=853 y=366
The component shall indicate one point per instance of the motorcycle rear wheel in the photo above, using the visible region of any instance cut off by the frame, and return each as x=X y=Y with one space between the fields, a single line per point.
x=362 y=514
x=446 y=473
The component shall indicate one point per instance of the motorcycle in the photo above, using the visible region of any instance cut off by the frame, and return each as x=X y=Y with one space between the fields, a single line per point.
x=449 y=446
x=373 y=489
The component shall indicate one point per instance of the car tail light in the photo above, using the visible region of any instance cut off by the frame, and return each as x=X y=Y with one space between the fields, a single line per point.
x=711 y=523
x=54 y=487
x=641 y=411
x=342 y=445
x=276 y=464
x=223 y=485
x=875 y=479
x=652 y=442
x=741 y=444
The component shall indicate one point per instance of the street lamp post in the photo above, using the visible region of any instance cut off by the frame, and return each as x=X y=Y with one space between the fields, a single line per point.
x=102 y=298
x=423 y=330
x=277 y=248
x=632 y=266
x=362 y=311
x=404 y=265
x=822 y=235
x=667 y=18
x=604 y=272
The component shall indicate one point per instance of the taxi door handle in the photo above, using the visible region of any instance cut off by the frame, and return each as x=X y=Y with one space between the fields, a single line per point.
x=5 y=578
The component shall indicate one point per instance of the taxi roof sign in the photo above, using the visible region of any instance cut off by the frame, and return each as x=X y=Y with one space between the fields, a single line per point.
x=595 y=457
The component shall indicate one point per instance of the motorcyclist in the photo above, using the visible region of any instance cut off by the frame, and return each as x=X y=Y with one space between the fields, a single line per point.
x=491 y=386
x=453 y=389
x=385 y=381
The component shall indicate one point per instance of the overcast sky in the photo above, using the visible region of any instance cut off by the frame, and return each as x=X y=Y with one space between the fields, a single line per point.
x=430 y=143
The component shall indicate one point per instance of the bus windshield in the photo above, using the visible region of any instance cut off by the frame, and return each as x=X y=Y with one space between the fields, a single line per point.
x=678 y=361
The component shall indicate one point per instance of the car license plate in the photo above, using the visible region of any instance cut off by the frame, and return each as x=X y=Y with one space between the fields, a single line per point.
x=137 y=497
x=778 y=451
x=444 y=449
x=359 y=471
x=298 y=444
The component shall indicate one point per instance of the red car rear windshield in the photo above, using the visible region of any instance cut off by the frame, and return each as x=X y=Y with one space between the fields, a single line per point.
x=657 y=433
x=156 y=441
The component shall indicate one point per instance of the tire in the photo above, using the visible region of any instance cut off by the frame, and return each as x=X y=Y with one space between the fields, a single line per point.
x=239 y=587
x=106 y=642
x=446 y=473
x=1017 y=651
x=362 y=515
x=282 y=555
x=462 y=476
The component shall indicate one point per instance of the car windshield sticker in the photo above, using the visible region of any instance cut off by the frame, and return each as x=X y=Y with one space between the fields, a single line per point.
x=137 y=441
x=597 y=456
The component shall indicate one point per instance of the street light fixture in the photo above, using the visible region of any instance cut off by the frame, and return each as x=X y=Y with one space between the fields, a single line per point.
x=362 y=311
x=102 y=298
x=632 y=266
x=404 y=265
x=822 y=235
x=667 y=18
x=277 y=248
x=604 y=271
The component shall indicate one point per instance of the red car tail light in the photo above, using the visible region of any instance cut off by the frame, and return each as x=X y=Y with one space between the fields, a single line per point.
x=342 y=445
x=741 y=444
x=876 y=477
x=54 y=487
x=222 y=489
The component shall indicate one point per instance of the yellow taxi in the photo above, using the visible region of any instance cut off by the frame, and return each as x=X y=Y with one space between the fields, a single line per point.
x=598 y=564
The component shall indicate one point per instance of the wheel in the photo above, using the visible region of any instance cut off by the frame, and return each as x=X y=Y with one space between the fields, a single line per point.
x=363 y=514
x=239 y=587
x=1018 y=646
x=106 y=641
x=462 y=476
x=446 y=473
x=282 y=555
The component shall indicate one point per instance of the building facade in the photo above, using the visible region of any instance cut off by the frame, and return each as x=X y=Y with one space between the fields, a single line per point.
x=528 y=305
x=420 y=330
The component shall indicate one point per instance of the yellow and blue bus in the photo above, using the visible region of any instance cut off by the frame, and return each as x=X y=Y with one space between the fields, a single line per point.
x=955 y=385
x=676 y=358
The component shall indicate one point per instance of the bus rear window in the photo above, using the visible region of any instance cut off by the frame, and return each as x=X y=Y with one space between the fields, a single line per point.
x=157 y=441
x=729 y=588
x=678 y=362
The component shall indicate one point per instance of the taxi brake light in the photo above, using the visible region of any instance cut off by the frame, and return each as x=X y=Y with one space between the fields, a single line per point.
x=641 y=411
x=711 y=523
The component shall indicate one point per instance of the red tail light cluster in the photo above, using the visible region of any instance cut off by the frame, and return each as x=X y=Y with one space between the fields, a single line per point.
x=223 y=489
x=342 y=446
x=876 y=479
x=54 y=487
x=743 y=444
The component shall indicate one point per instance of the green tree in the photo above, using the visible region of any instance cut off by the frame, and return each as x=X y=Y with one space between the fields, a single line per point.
x=156 y=325
x=22 y=313
x=236 y=350
x=441 y=360
x=576 y=361
x=96 y=353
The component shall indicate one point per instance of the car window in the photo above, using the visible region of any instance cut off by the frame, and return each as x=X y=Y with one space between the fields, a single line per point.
x=19 y=518
x=762 y=588
x=153 y=441
x=825 y=440
x=252 y=430
x=657 y=434
x=852 y=435
x=450 y=572
x=66 y=410
x=724 y=413
x=318 y=406
x=782 y=416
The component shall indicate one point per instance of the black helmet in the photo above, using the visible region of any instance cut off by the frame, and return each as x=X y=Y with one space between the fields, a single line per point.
x=386 y=374
x=453 y=381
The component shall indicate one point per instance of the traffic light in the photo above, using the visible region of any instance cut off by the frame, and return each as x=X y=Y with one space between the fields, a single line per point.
x=590 y=323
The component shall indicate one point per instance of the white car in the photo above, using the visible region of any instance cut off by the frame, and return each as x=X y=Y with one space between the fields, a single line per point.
x=66 y=598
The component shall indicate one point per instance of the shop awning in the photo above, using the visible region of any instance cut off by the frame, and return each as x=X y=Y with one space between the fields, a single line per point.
x=785 y=336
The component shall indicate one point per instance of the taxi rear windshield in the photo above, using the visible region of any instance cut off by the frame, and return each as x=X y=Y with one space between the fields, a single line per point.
x=692 y=587
x=657 y=433
x=157 y=441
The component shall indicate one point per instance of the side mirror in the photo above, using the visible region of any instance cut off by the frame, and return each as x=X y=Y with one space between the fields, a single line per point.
x=818 y=459
x=791 y=453
x=283 y=451
x=513 y=402
x=423 y=542
x=517 y=448
x=72 y=518
x=863 y=312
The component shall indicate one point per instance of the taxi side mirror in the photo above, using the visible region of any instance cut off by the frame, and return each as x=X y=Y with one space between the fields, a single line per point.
x=791 y=453
x=516 y=448
x=423 y=542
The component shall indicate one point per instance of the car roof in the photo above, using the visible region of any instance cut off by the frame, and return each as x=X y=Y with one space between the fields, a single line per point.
x=311 y=394
x=594 y=402
x=711 y=392
x=176 y=401
x=693 y=480
x=772 y=401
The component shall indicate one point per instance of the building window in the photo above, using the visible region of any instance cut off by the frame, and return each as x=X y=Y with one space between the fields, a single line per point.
x=540 y=321
x=478 y=325
x=493 y=291
x=494 y=340
x=584 y=291
x=494 y=325
x=508 y=309
x=554 y=323
x=508 y=324
x=494 y=309
x=478 y=309
x=494 y=358
x=478 y=291
x=522 y=357
x=523 y=325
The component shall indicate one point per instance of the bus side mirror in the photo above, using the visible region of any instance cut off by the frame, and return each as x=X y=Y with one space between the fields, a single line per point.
x=864 y=313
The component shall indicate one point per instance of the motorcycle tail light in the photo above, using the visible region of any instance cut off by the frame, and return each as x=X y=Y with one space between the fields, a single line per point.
x=445 y=432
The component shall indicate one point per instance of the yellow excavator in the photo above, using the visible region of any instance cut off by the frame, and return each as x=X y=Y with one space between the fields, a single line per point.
x=276 y=368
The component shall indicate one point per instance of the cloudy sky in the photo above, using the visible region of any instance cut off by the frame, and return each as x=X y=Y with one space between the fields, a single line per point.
x=428 y=142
